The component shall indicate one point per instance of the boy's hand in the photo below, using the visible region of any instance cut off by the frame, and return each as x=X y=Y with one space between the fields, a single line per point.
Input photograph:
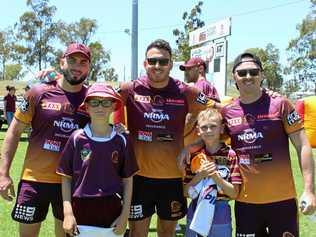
x=209 y=168
x=70 y=225
x=120 y=225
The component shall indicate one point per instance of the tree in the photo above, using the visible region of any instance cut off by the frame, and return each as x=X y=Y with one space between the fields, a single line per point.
x=6 y=44
x=110 y=75
x=271 y=66
x=81 y=32
x=13 y=72
x=302 y=51
x=192 y=22
x=99 y=61
x=36 y=30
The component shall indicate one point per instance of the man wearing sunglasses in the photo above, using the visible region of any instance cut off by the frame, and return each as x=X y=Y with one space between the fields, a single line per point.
x=52 y=111
x=260 y=127
x=156 y=107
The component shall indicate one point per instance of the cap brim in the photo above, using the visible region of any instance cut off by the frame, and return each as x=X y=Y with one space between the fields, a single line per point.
x=77 y=51
x=118 y=101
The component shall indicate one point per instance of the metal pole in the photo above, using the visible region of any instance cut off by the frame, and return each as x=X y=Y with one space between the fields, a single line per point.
x=134 y=41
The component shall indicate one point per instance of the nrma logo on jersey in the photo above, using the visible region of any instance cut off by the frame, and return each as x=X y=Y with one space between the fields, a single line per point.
x=156 y=116
x=66 y=124
x=250 y=136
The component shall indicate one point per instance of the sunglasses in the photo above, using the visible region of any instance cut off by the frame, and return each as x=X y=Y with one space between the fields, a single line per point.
x=161 y=61
x=252 y=72
x=104 y=103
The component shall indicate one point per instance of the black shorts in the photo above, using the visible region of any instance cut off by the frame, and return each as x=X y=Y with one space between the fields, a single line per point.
x=273 y=219
x=164 y=196
x=33 y=201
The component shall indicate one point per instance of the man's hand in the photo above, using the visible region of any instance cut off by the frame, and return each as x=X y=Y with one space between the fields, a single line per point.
x=120 y=225
x=6 y=188
x=70 y=225
x=47 y=75
x=121 y=128
x=307 y=203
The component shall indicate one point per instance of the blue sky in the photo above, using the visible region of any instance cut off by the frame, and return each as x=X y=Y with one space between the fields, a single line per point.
x=255 y=23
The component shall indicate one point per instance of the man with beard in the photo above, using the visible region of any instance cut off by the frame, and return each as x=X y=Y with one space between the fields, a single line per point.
x=52 y=111
x=156 y=106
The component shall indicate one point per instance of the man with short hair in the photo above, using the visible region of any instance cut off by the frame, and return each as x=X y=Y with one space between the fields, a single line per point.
x=52 y=111
x=156 y=107
x=260 y=127
x=194 y=71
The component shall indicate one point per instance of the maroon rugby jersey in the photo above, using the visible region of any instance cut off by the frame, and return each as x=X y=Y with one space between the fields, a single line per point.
x=259 y=134
x=227 y=161
x=155 y=119
x=53 y=115
x=96 y=164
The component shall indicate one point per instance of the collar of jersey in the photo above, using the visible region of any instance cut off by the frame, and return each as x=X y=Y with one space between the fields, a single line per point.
x=88 y=132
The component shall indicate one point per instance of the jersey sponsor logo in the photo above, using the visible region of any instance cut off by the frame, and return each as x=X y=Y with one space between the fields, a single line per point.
x=158 y=100
x=52 y=145
x=51 y=105
x=165 y=137
x=155 y=126
x=142 y=99
x=293 y=117
x=85 y=154
x=66 y=124
x=145 y=136
x=136 y=211
x=175 y=101
x=175 y=208
x=24 y=105
x=156 y=116
x=250 y=136
x=223 y=171
x=262 y=158
x=69 y=108
x=24 y=213
x=268 y=116
x=115 y=157
x=244 y=159
x=202 y=98
x=234 y=122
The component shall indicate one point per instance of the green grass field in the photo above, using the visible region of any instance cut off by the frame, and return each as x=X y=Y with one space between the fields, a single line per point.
x=9 y=228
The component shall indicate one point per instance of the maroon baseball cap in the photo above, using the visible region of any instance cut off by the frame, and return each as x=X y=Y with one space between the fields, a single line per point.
x=105 y=91
x=78 y=48
x=192 y=62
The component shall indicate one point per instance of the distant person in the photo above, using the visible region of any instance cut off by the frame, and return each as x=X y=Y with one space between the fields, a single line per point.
x=97 y=168
x=9 y=102
x=53 y=112
x=306 y=108
x=217 y=161
x=195 y=74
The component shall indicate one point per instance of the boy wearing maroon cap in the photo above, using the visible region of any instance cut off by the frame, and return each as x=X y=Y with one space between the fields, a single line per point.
x=52 y=112
x=97 y=166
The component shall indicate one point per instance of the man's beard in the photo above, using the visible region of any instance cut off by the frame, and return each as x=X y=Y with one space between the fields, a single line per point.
x=73 y=80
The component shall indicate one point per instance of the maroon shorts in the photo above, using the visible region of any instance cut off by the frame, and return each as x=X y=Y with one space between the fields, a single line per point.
x=99 y=211
x=278 y=219
x=33 y=201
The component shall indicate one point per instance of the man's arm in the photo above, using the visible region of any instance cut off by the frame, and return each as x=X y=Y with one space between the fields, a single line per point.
x=9 y=146
x=306 y=161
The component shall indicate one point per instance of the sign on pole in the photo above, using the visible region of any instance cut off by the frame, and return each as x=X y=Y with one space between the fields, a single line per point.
x=213 y=31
